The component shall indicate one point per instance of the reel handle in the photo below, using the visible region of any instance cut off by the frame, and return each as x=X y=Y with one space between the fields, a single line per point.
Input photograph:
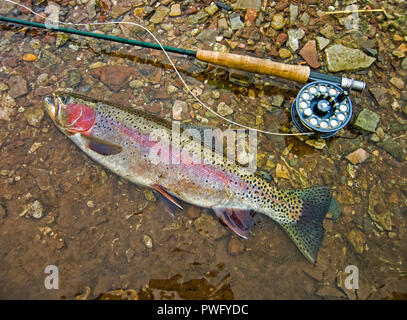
x=256 y=65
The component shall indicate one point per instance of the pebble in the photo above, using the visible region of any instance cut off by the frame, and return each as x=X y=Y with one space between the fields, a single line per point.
x=223 y=109
x=3 y=87
x=277 y=100
x=316 y=143
x=159 y=15
x=248 y=4
x=179 y=110
x=235 y=247
x=341 y=58
x=367 y=120
x=29 y=57
x=284 y=53
x=278 y=22
x=34 y=210
x=134 y=84
x=74 y=78
x=322 y=42
x=357 y=239
x=294 y=35
x=18 y=86
x=212 y=9
x=148 y=242
x=175 y=10
x=393 y=148
x=310 y=55
x=293 y=13
x=358 y=156
x=397 y=82
x=282 y=171
x=235 y=21
x=282 y=38
x=34 y=116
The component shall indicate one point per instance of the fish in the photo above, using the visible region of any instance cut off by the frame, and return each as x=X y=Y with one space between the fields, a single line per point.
x=125 y=141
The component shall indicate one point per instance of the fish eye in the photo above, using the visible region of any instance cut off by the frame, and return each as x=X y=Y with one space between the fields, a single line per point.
x=65 y=99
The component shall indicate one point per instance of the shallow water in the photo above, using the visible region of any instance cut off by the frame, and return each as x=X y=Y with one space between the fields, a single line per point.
x=104 y=233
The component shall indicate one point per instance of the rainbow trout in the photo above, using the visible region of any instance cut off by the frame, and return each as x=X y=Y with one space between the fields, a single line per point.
x=122 y=140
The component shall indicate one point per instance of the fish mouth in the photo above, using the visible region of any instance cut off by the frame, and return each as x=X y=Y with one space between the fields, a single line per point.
x=52 y=106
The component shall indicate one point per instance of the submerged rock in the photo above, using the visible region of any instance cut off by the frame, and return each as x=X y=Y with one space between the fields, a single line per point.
x=159 y=15
x=294 y=35
x=235 y=21
x=357 y=239
x=378 y=211
x=18 y=86
x=357 y=156
x=322 y=42
x=367 y=120
x=207 y=226
x=34 y=116
x=341 y=58
x=393 y=148
x=310 y=55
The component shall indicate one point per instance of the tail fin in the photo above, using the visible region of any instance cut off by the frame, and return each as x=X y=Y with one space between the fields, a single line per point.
x=307 y=233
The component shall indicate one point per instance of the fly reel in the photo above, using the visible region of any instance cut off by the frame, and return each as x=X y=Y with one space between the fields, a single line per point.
x=321 y=107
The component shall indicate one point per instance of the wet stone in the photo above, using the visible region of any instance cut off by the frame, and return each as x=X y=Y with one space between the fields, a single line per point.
x=393 y=148
x=34 y=116
x=367 y=120
x=235 y=247
x=180 y=110
x=62 y=38
x=357 y=156
x=322 y=42
x=357 y=239
x=207 y=35
x=341 y=58
x=377 y=209
x=310 y=55
x=327 y=31
x=224 y=110
x=34 y=210
x=397 y=82
x=235 y=21
x=200 y=17
x=3 y=87
x=212 y=9
x=74 y=78
x=278 y=22
x=277 y=100
x=148 y=242
x=175 y=10
x=293 y=13
x=159 y=15
x=208 y=227
x=284 y=53
x=248 y=4
x=18 y=86
x=294 y=35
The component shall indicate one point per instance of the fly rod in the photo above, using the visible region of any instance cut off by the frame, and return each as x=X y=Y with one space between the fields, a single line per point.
x=302 y=74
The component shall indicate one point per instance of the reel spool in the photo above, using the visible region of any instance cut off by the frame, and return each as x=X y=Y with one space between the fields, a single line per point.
x=322 y=107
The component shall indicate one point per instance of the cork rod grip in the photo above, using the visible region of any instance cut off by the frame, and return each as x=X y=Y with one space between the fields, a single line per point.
x=256 y=65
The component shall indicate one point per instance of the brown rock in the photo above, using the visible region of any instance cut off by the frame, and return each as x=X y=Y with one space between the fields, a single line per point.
x=282 y=38
x=310 y=55
x=10 y=62
x=115 y=77
x=281 y=5
x=284 y=53
x=235 y=247
x=18 y=86
x=357 y=156
x=251 y=15
x=153 y=107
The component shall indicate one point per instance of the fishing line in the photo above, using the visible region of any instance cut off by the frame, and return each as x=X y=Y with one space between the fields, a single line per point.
x=172 y=64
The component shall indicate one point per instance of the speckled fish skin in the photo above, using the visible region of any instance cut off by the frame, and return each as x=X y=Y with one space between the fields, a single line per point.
x=219 y=185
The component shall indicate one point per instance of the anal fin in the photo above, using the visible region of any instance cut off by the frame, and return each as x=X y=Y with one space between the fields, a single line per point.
x=238 y=220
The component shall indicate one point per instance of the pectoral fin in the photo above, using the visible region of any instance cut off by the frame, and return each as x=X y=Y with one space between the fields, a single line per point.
x=238 y=220
x=166 y=195
x=102 y=147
